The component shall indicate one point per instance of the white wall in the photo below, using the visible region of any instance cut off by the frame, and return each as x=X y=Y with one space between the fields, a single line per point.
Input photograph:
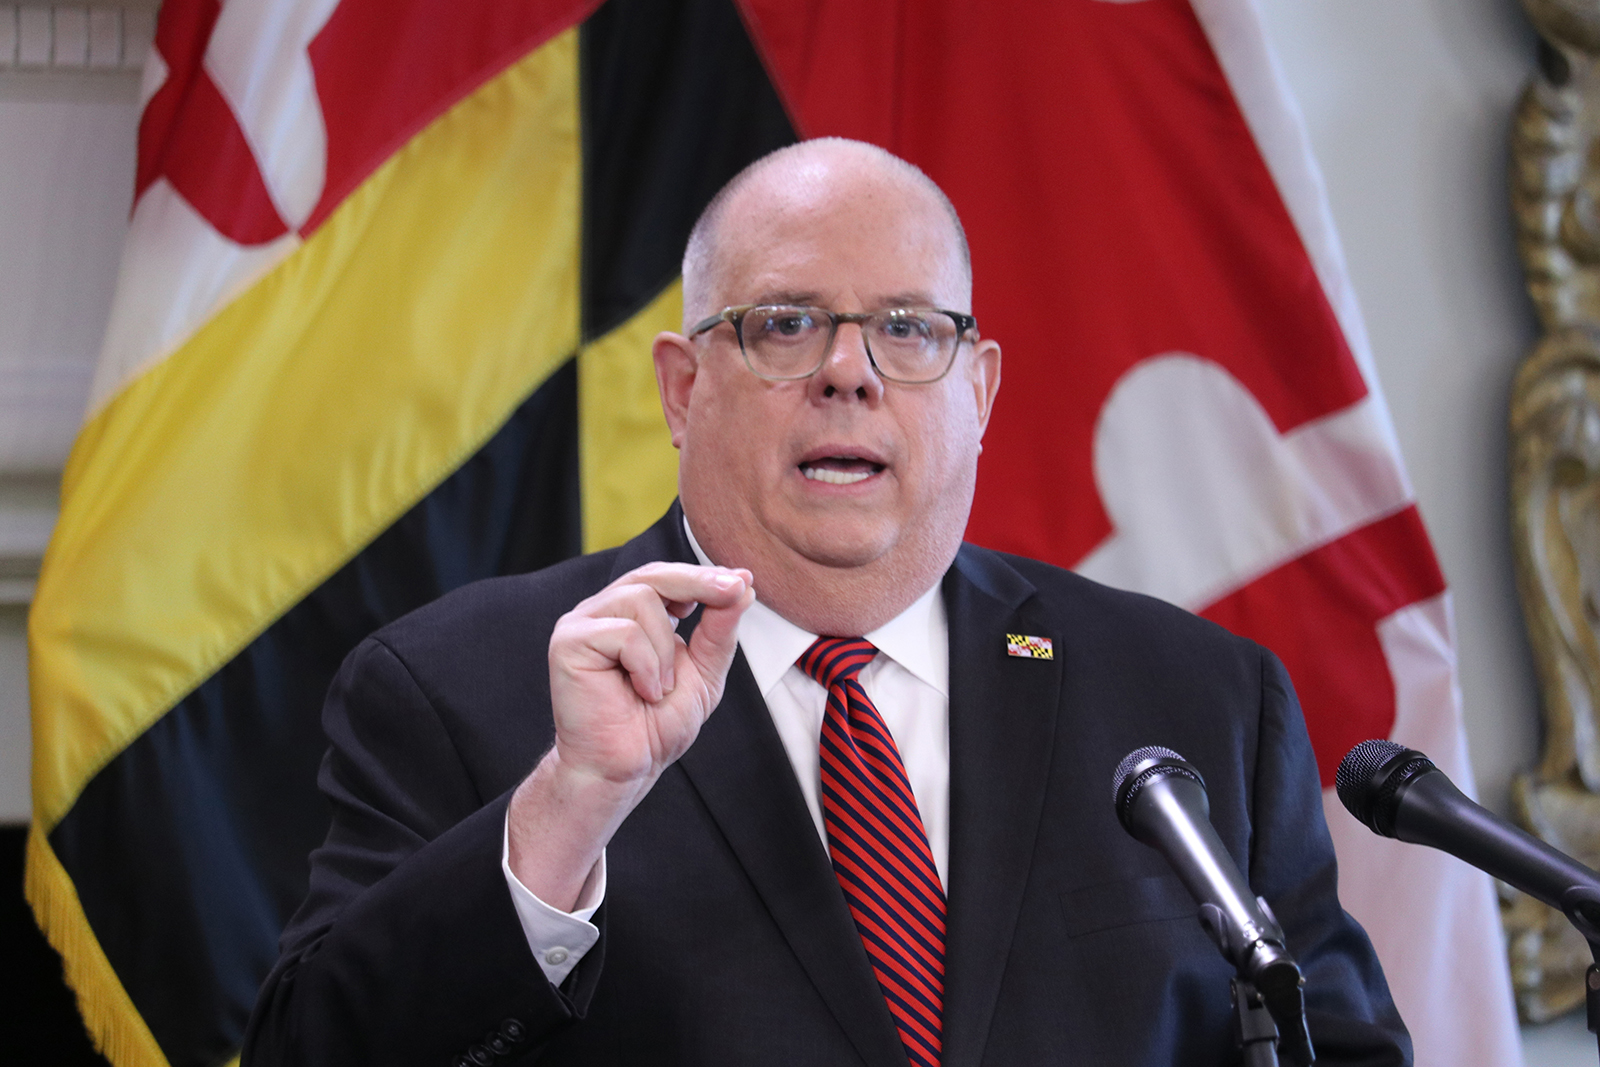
x=66 y=181
x=69 y=81
x=1408 y=103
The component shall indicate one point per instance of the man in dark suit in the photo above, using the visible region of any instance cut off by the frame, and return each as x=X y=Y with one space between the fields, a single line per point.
x=893 y=847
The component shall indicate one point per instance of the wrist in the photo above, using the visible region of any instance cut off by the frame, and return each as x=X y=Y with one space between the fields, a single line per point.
x=560 y=820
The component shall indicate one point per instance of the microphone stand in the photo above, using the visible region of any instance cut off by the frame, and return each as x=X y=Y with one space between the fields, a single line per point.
x=1578 y=905
x=1591 y=992
x=1266 y=989
x=1253 y=1029
x=1581 y=905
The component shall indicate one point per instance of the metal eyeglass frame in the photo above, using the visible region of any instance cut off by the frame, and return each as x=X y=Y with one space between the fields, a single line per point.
x=734 y=316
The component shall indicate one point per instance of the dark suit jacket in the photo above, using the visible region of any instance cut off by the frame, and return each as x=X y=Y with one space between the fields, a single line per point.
x=725 y=938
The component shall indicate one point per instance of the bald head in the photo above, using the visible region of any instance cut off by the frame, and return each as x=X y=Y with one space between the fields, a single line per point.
x=799 y=178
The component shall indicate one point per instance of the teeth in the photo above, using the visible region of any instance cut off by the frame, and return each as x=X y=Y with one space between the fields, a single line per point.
x=833 y=477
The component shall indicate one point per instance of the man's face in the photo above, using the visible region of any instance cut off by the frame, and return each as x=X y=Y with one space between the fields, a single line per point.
x=841 y=471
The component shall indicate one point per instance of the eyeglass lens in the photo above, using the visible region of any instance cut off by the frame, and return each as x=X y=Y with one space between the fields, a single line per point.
x=908 y=344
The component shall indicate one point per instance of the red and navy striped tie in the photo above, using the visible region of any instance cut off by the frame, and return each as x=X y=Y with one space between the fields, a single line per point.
x=880 y=851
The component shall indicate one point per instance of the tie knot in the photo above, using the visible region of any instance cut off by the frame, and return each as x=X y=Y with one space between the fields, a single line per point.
x=831 y=660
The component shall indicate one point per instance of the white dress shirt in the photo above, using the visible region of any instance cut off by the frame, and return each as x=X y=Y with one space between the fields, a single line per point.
x=908 y=682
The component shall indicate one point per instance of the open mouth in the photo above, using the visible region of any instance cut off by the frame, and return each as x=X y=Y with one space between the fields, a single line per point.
x=839 y=470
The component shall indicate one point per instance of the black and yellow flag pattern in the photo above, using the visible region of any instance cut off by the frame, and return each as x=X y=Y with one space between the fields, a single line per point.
x=435 y=372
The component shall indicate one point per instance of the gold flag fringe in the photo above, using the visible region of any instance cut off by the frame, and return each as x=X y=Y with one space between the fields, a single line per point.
x=113 y=1022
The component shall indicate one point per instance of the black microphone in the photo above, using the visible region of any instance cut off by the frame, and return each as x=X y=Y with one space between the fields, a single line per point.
x=1399 y=793
x=1161 y=800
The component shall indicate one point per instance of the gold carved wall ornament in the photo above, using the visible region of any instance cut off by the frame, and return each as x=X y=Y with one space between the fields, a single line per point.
x=1555 y=480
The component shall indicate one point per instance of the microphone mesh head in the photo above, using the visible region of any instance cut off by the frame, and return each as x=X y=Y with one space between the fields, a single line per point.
x=1130 y=763
x=1370 y=778
x=1140 y=768
x=1355 y=775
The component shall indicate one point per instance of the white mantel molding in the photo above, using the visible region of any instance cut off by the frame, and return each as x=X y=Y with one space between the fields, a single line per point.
x=28 y=509
x=74 y=51
x=41 y=408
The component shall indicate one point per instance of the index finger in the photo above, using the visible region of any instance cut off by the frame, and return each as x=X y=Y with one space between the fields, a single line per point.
x=683 y=585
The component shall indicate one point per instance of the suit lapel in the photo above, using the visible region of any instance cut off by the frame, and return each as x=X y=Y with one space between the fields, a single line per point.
x=1003 y=714
x=663 y=541
x=740 y=771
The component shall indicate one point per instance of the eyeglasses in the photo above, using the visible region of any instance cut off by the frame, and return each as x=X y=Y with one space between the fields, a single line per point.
x=782 y=342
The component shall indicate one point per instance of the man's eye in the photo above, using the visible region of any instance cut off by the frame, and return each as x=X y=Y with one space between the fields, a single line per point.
x=790 y=324
x=907 y=328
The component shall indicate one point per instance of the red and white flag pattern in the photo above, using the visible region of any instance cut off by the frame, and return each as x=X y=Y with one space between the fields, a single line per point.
x=232 y=162
x=1190 y=406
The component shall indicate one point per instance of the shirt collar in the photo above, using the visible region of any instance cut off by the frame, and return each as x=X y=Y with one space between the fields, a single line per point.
x=918 y=638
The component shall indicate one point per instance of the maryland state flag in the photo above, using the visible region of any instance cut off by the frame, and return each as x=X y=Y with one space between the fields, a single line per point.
x=382 y=328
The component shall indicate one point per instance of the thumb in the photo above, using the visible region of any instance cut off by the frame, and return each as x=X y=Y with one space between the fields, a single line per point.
x=716 y=637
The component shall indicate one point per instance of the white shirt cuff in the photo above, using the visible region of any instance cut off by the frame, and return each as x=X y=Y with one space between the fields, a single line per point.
x=558 y=939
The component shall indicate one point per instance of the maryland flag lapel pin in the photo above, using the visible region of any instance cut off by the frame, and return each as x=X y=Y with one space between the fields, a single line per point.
x=1027 y=646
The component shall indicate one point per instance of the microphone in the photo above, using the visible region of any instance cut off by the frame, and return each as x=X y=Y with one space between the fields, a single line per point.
x=1161 y=800
x=1399 y=793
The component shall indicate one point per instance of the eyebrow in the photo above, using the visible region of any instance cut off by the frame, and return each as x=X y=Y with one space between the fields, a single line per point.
x=909 y=300
x=788 y=297
x=811 y=299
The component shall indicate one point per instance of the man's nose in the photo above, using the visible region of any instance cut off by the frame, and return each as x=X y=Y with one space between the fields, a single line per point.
x=847 y=370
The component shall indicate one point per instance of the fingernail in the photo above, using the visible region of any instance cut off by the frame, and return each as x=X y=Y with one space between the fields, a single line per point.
x=727 y=581
x=669 y=680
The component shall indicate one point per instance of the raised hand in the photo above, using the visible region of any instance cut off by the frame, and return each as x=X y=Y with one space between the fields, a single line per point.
x=629 y=697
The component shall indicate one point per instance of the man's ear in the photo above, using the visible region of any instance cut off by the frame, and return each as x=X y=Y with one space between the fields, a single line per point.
x=675 y=372
x=985 y=379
